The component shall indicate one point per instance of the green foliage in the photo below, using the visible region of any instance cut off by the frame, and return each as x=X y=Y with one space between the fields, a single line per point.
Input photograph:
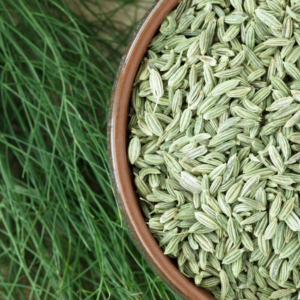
x=61 y=235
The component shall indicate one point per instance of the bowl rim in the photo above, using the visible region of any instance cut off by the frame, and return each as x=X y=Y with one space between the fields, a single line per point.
x=121 y=172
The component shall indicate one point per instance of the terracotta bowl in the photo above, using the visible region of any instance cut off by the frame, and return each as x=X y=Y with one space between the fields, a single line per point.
x=121 y=171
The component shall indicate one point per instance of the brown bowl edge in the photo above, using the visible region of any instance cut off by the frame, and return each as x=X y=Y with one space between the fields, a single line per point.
x=121 y=172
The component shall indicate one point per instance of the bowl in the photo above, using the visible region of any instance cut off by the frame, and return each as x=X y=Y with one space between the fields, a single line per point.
x=121 y=171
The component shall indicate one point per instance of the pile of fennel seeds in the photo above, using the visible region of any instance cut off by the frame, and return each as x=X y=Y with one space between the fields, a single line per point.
x=214 y=144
